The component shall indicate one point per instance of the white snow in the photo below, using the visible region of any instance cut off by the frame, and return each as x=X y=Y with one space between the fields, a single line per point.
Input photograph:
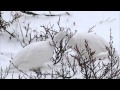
x=78 y=20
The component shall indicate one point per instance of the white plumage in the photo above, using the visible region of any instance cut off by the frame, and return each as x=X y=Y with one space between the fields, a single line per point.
x=95 y=43
x=36 y=54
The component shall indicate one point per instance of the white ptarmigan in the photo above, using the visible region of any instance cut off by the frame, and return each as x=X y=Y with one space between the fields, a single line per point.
x=35 y=54
x=95 y=43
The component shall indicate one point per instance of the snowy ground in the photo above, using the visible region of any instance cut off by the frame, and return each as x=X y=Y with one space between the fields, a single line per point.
x=83 y=20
